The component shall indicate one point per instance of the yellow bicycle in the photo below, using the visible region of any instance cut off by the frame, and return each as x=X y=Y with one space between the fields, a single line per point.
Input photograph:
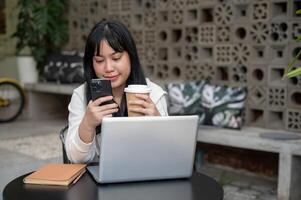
x=12 y=99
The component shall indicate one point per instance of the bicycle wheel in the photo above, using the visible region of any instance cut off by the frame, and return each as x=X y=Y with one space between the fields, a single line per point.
x=12 y=101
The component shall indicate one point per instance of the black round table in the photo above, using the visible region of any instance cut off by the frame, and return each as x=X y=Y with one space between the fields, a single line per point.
x=198 y=187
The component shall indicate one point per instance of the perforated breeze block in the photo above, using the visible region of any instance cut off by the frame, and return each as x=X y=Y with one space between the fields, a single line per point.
x=236 y=43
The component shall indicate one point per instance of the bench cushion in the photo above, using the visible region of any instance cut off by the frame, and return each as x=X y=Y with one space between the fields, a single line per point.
x=185 y=98
x=216 y=105
x=64 y=67
x=222 y=105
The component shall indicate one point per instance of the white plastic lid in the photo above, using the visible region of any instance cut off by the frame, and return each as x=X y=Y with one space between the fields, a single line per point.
x=137 y=89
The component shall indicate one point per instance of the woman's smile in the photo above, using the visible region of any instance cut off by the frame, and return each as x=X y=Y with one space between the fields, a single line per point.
x=112 y=78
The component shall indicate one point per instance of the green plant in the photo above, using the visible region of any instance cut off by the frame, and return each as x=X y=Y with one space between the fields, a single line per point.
x=292 y=70
x=41 y=27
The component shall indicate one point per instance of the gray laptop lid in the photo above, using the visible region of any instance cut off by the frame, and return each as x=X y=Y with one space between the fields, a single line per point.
x=146 y=148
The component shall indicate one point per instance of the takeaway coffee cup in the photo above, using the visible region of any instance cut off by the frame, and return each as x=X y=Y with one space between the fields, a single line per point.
x=130 y=92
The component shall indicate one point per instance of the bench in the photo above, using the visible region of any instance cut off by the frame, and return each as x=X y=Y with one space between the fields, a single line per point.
x=47 y=100
x=289 y=173
x=53 y=88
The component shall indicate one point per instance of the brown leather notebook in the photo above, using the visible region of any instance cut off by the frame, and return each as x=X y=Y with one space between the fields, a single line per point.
x=56 y=174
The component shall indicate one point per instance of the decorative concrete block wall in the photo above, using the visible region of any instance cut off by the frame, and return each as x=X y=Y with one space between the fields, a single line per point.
x=232 y=42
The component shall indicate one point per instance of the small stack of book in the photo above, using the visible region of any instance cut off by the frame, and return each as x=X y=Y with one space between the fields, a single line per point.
x=56 y=174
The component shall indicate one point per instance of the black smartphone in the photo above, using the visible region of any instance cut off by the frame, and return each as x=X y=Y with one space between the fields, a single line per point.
x=101 y=88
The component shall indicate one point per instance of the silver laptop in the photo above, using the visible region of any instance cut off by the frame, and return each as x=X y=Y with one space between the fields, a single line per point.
x=146 y=148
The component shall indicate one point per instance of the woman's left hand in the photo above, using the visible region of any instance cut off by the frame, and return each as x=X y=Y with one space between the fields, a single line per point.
x=144 y=105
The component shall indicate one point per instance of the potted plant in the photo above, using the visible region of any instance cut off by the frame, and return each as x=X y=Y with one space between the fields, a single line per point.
x=41 y=29
x=292 y=70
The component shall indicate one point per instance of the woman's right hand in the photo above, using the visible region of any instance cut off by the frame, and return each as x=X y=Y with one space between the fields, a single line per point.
x=94 y=115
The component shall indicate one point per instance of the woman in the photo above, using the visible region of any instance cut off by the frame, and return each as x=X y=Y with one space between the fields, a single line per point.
x=110 y=53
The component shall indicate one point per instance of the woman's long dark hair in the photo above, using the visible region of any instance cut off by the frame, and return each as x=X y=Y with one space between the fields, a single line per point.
x=120 y=39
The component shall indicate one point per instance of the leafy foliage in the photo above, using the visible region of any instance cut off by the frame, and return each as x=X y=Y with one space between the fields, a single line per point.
x=292 y=70
x=41 y=27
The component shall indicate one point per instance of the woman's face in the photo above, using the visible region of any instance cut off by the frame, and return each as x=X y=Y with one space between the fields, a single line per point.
x=112 y=65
